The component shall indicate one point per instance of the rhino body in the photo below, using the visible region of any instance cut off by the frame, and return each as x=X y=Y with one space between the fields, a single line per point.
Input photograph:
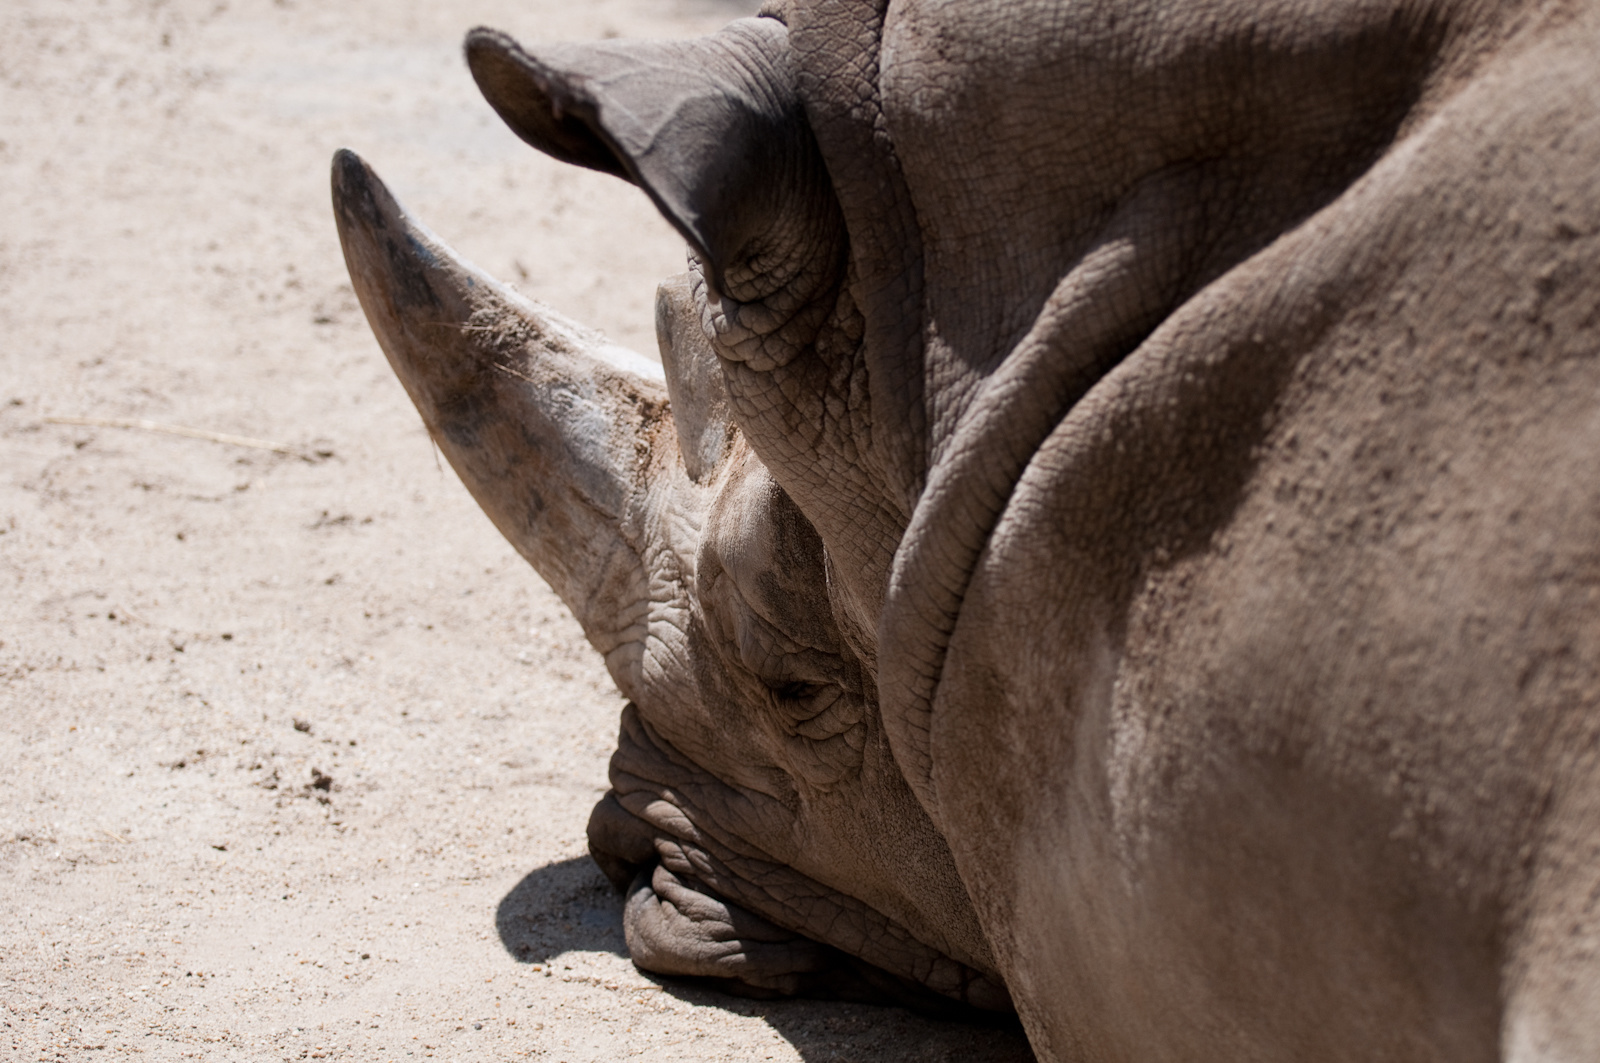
x=1116 y=531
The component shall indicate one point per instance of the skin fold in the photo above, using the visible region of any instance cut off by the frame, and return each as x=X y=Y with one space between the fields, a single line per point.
x=1113 y=535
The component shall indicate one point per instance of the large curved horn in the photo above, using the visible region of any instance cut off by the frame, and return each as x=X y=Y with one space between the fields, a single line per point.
x=547 y=424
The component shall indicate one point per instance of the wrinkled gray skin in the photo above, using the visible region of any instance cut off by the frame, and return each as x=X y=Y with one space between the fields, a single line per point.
x=1126 y=537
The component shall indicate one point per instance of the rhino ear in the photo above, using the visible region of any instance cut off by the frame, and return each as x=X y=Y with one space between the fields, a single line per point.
x=541 y=103
x=711 y=129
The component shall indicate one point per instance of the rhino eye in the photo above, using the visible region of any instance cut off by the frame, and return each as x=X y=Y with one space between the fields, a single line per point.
x=799 y=690
x=816 y=711
x=790 y=648
x=823 y=723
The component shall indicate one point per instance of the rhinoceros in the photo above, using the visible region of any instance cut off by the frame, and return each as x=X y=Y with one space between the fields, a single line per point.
x=1115 y=529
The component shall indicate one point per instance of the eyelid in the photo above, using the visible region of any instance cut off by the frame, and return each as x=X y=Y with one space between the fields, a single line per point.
x=831 y=718
x=777 y=659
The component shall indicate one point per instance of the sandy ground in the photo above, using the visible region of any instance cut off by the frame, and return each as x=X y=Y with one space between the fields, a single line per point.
x=295 y=754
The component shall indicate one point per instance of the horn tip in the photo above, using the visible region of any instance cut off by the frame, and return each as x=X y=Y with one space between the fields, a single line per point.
x=363 y=204
x=353 y=181
x=485 y=45
x=348 y=167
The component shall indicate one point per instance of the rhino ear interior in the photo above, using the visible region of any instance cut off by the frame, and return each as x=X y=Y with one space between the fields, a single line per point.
x=538 y=103
x=711 y=129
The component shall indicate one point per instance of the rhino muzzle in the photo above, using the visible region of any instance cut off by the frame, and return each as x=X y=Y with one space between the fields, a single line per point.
x=703 y=905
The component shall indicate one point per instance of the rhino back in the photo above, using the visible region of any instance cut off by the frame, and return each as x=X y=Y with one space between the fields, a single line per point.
x=1268 y=725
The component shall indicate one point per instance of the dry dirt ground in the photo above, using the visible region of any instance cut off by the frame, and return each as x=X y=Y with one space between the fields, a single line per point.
x=295 y=754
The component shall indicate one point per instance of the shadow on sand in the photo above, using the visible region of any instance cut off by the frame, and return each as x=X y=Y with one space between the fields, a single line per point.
x=562 y=907
x=570 y=907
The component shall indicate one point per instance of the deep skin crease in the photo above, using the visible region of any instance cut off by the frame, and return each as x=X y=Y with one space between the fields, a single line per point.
x=1114 y=534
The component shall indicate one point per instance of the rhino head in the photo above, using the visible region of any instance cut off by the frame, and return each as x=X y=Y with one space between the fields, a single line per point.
x=758 y=822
